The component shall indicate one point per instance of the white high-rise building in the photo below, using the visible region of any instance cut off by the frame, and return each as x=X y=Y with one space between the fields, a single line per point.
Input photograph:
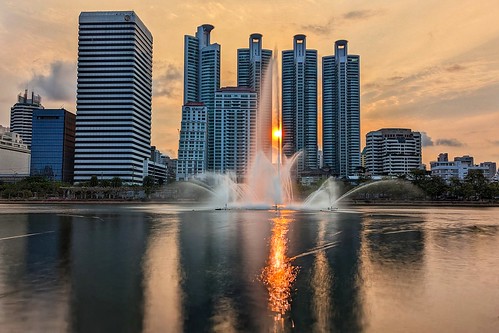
x=234 y=130
x=299 y=104
x=192 y=143
x=254 y=71
x=21 y=115
x=392 y=151
x=202 y=76
x=341 y=111
x=113 y=117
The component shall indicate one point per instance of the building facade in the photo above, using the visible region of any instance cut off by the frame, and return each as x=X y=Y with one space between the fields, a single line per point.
x=192 y=146
x=21 y=115
x=392 y=152
x=14 y=156
x=254 y=71
x=234 y=130
x=299 y=104
x=458 y=168
x=113 y=117
x=341 y=111
x=53 y=146
x=202 y=76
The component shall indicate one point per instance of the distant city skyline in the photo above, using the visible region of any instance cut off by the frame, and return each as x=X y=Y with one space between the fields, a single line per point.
x=431 y=67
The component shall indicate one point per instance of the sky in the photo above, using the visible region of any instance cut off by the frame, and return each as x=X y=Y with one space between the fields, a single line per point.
x=431 y=66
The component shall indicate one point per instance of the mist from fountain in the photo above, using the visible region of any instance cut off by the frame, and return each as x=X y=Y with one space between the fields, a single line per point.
x=269 y=185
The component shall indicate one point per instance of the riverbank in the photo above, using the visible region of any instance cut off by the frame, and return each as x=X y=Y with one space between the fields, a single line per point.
x=384 y=203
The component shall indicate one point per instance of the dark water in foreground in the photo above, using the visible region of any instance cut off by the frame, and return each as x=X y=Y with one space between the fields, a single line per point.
x=163 y=268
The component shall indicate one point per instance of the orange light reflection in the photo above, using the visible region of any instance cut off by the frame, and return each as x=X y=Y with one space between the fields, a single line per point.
x=279 y=275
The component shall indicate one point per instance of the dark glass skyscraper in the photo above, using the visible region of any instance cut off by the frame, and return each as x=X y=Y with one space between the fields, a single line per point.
x=341 y=111
x=202 y=76
x=299 y=103
x=253 y=72
x=53 y=144
x=113 y=117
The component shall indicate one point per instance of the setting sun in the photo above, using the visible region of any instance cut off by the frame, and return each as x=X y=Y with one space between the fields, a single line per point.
x=277 y=133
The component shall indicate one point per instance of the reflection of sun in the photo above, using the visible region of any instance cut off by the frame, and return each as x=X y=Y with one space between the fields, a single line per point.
x=279 y=274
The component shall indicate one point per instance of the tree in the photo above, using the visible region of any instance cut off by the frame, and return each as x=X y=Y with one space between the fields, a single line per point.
x=148 y=184
x=94 y=181
x=478 y=183
x=435 y=187
x=116 y=182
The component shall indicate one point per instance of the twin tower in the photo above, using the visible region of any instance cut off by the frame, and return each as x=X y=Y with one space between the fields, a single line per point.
x=223 y=128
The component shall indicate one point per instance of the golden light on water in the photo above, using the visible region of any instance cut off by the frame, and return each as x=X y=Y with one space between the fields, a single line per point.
x=279 y=274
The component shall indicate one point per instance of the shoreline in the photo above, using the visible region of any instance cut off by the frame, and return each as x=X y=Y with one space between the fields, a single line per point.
x=180 y=202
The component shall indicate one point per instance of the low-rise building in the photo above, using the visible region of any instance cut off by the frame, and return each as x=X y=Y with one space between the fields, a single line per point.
x=458 y=168
x=14 y=156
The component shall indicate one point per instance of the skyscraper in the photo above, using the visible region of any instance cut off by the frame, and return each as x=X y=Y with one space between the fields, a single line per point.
x=299 y=103
x=341 y=111
x=21 y=115
x=192 y=142
x=234 y=127
x=52 y=149
x=113 y=117
x=202 y=76
x=253 y=71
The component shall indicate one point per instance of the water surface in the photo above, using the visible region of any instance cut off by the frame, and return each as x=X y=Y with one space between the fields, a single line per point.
x=166 y=268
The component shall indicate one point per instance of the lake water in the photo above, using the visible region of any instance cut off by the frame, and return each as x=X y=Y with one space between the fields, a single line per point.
x=165 y=268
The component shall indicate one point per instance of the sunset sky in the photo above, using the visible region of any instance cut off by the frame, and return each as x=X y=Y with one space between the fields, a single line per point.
x=432 y=66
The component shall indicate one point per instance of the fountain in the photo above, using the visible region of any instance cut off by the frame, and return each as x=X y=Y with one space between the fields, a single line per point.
x=267 y=185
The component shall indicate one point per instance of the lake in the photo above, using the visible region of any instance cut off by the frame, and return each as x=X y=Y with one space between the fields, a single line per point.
x=168 y=268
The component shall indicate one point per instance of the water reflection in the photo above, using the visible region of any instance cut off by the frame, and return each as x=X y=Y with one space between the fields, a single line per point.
x=322 y=279
x=163 y=277
x=279 y=274
x=120 y=269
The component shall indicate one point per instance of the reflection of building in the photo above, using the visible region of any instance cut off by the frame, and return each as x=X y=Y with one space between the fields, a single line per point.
x=392 y=151
x=234 y=127
x=460 y=167
x=113 y=117
x=14 y=156
x=108 y=273
x=299 y=103
x=202 y=76
x=192 y=142
x=253 y=71
x=341 y=111
x=21 y=115
x=52 y=148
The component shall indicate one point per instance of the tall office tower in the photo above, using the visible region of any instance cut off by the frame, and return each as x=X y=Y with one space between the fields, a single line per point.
x=21 y=115
x=299 y=104
x=192 y=143
x=53 y=145
x=113 y=117
x=392 y=151
x=202 y=76
x=254 y=71
x=341 y=111
x=234 y=127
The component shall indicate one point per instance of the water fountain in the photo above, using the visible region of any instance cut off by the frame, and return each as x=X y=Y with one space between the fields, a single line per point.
x=268 y=185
